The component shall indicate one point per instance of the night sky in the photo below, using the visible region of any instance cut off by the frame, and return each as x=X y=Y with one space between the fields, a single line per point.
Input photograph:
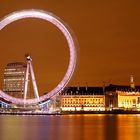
x=108 y=34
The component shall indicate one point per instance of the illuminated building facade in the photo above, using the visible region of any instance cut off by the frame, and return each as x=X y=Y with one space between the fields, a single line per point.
x=14 y=79
x=123 y=97
x=83 y=98
x=129 y=99
x=110 y=97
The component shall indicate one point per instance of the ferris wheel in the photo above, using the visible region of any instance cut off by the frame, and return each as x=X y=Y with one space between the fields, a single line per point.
x=40 y=14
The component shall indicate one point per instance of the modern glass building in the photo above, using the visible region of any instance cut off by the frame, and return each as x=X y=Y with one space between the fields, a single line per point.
x=14 y=79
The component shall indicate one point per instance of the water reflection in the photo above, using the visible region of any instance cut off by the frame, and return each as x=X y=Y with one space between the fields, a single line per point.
x=129 y=127
x=110 y=127
x=70 y=127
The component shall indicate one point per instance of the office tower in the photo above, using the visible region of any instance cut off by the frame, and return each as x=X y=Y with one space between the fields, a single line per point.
x=14 y=79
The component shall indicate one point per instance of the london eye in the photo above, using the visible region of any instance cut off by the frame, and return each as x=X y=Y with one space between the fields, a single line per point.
x=44 y=15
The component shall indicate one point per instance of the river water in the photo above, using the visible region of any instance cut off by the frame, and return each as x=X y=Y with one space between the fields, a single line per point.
x=70 y=127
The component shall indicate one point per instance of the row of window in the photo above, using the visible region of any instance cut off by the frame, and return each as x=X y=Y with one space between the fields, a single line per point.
x=79 y=99
x=14 y=79
x=14 y=72
x=99 y=105
x=81 y=103
x=128 y=101
x=13 y=85
x=13 y=90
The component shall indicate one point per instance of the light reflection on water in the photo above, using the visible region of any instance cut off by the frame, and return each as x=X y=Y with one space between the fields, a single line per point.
x=70 y=127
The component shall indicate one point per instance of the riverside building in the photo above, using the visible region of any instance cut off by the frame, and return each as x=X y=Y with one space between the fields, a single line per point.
x=123 y=97
x=14 y=79
x=111 y=97
x=83 y=99
x=129 y=99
